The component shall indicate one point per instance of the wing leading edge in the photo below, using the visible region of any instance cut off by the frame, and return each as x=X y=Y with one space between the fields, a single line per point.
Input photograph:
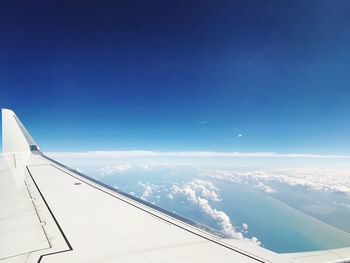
x=50 y=213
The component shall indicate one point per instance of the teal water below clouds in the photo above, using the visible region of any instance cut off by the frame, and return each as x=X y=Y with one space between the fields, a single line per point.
x=278 y=226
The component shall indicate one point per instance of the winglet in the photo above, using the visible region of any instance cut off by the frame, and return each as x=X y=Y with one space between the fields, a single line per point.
x=15 y=137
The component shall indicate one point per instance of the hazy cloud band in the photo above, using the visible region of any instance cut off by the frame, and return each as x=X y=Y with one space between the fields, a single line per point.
x=195 y=154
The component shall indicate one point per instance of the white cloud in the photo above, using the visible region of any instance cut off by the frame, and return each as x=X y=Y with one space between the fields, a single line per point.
x=115 y=169
x=145 y=167
x=148 y=189
x=203 y=122
x=265 y=188
x=245 y=226
x=336 y=180
x=193 y=192
x=205 y=189
x=130 y=154
x=239 y=135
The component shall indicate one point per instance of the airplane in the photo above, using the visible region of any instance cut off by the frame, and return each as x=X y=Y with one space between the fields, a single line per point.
x=52 y=213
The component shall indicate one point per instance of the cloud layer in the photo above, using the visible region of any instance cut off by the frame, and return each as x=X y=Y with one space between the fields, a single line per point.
x=336 y=180
x=109 y=170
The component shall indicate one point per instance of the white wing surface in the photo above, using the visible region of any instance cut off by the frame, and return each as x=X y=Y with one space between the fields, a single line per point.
x=51 y=213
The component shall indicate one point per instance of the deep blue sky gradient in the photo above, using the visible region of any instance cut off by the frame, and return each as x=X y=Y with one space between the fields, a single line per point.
x=88 y=75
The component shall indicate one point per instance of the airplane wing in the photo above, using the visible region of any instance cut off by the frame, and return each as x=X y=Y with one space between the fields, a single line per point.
x=51 y=213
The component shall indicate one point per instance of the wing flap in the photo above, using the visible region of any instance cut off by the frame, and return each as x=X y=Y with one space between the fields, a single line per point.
x=20 y=228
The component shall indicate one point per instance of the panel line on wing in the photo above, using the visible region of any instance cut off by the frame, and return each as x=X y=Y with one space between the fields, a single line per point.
x=37 y=213
x=70 y=248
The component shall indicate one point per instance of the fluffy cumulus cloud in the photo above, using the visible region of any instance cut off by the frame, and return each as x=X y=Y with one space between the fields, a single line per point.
x=336 y=180
x=200 y=192
x=148 y=189
x=192 y=189
x=206 y=189
x=245 y=227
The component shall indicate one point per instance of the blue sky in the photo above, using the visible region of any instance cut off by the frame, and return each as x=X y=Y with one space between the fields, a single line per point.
x=179 y=75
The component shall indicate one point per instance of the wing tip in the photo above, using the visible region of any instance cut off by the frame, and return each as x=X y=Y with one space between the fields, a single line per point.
x=15 y=137
x=7 y=110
